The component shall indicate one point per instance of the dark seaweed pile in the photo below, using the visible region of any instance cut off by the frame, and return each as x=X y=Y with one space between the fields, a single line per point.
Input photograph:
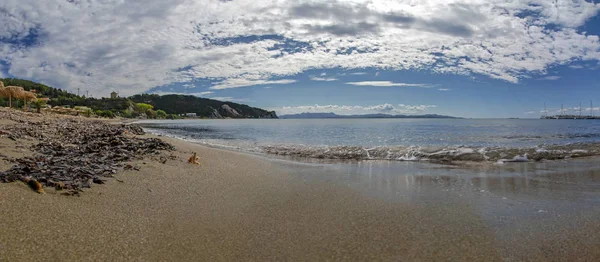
x=74 y=153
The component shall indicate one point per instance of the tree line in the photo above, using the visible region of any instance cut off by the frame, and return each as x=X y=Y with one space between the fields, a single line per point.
x=143 y=105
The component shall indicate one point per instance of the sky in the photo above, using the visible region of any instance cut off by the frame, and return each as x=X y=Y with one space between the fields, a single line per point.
x=467 y=58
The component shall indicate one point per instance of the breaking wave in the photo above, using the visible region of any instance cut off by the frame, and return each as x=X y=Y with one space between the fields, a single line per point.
x=463 y=141
x=438 y=154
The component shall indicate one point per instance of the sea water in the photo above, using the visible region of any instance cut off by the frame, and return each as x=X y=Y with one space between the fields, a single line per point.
x=522 y=205
x=394 y=139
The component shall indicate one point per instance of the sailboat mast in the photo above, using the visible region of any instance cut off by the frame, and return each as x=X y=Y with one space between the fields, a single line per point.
x=545 y=113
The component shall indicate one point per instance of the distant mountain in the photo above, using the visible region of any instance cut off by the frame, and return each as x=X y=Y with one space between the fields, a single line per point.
x=333 y=115
x=312 y=115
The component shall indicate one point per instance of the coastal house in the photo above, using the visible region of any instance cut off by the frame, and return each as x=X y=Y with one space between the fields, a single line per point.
x=189 y=115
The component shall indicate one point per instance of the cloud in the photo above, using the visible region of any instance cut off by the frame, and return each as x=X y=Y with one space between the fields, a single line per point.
x=358 y=73
x=231 y=99
x=326 y=79
x=444 y=89
x=240 y=82
x=350 y=110
x=355 y=19
x=205 y=93
x=576 y=66
x=386 y=83
x=101 y=45
x=550 y=78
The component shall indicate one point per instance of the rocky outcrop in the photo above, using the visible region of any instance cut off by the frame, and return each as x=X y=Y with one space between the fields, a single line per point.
x=215 y=114
x=226 y=111
x=230 y=112
x=269 y=114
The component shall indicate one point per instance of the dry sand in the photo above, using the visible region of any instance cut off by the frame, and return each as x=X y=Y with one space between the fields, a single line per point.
x=242 y=207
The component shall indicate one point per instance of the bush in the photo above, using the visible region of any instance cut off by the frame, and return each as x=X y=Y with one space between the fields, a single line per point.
x=106 y=113
x=125 y=114
x=38 y=104
x=143 y=107
x=151 y=114
x=172 y=116
x=161 y=114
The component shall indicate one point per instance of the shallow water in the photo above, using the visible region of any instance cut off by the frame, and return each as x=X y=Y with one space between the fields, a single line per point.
x=528 y=207
x=395 y=139
x=534 y=210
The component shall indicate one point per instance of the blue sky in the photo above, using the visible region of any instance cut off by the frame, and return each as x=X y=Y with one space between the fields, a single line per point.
x=469 y=58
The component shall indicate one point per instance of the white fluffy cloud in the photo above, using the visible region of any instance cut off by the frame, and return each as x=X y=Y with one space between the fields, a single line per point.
x=325 y=79
x=201 y=94
x=386 y=83
x=231 y=99
x=550 y=78
x=350 y=110
x=133 y=46
x=239 y=82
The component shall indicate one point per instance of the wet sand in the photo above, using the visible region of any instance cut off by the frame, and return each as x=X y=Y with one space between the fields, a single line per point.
x=243 y=207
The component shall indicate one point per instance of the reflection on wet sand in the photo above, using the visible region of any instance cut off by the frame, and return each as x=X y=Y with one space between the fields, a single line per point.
x=574 y=180
x=535 y=210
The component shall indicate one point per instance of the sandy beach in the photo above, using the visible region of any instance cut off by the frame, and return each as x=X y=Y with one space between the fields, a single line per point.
x=236 y=206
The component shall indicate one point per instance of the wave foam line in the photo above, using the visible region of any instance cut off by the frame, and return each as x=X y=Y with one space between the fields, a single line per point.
x=438 y=154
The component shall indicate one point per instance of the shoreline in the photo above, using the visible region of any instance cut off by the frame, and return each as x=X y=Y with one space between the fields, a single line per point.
x=458 y=154
x=467 y=164
x=238 y=206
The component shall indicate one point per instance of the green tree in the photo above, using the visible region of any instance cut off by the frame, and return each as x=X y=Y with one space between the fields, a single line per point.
x=151 y=114
x=143 y=107
x=125 y=114
x=173 y=116
x=161 y=114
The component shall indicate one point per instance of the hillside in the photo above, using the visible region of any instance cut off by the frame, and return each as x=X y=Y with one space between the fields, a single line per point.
x=43 y=90
x=333 y=115
x=126 y=107
x=179 y=104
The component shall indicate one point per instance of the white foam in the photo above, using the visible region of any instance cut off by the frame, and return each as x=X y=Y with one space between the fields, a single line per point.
x=517 y=158
x=409 y=158
x=579 y=151
x=461 y=151
x=401 y=153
